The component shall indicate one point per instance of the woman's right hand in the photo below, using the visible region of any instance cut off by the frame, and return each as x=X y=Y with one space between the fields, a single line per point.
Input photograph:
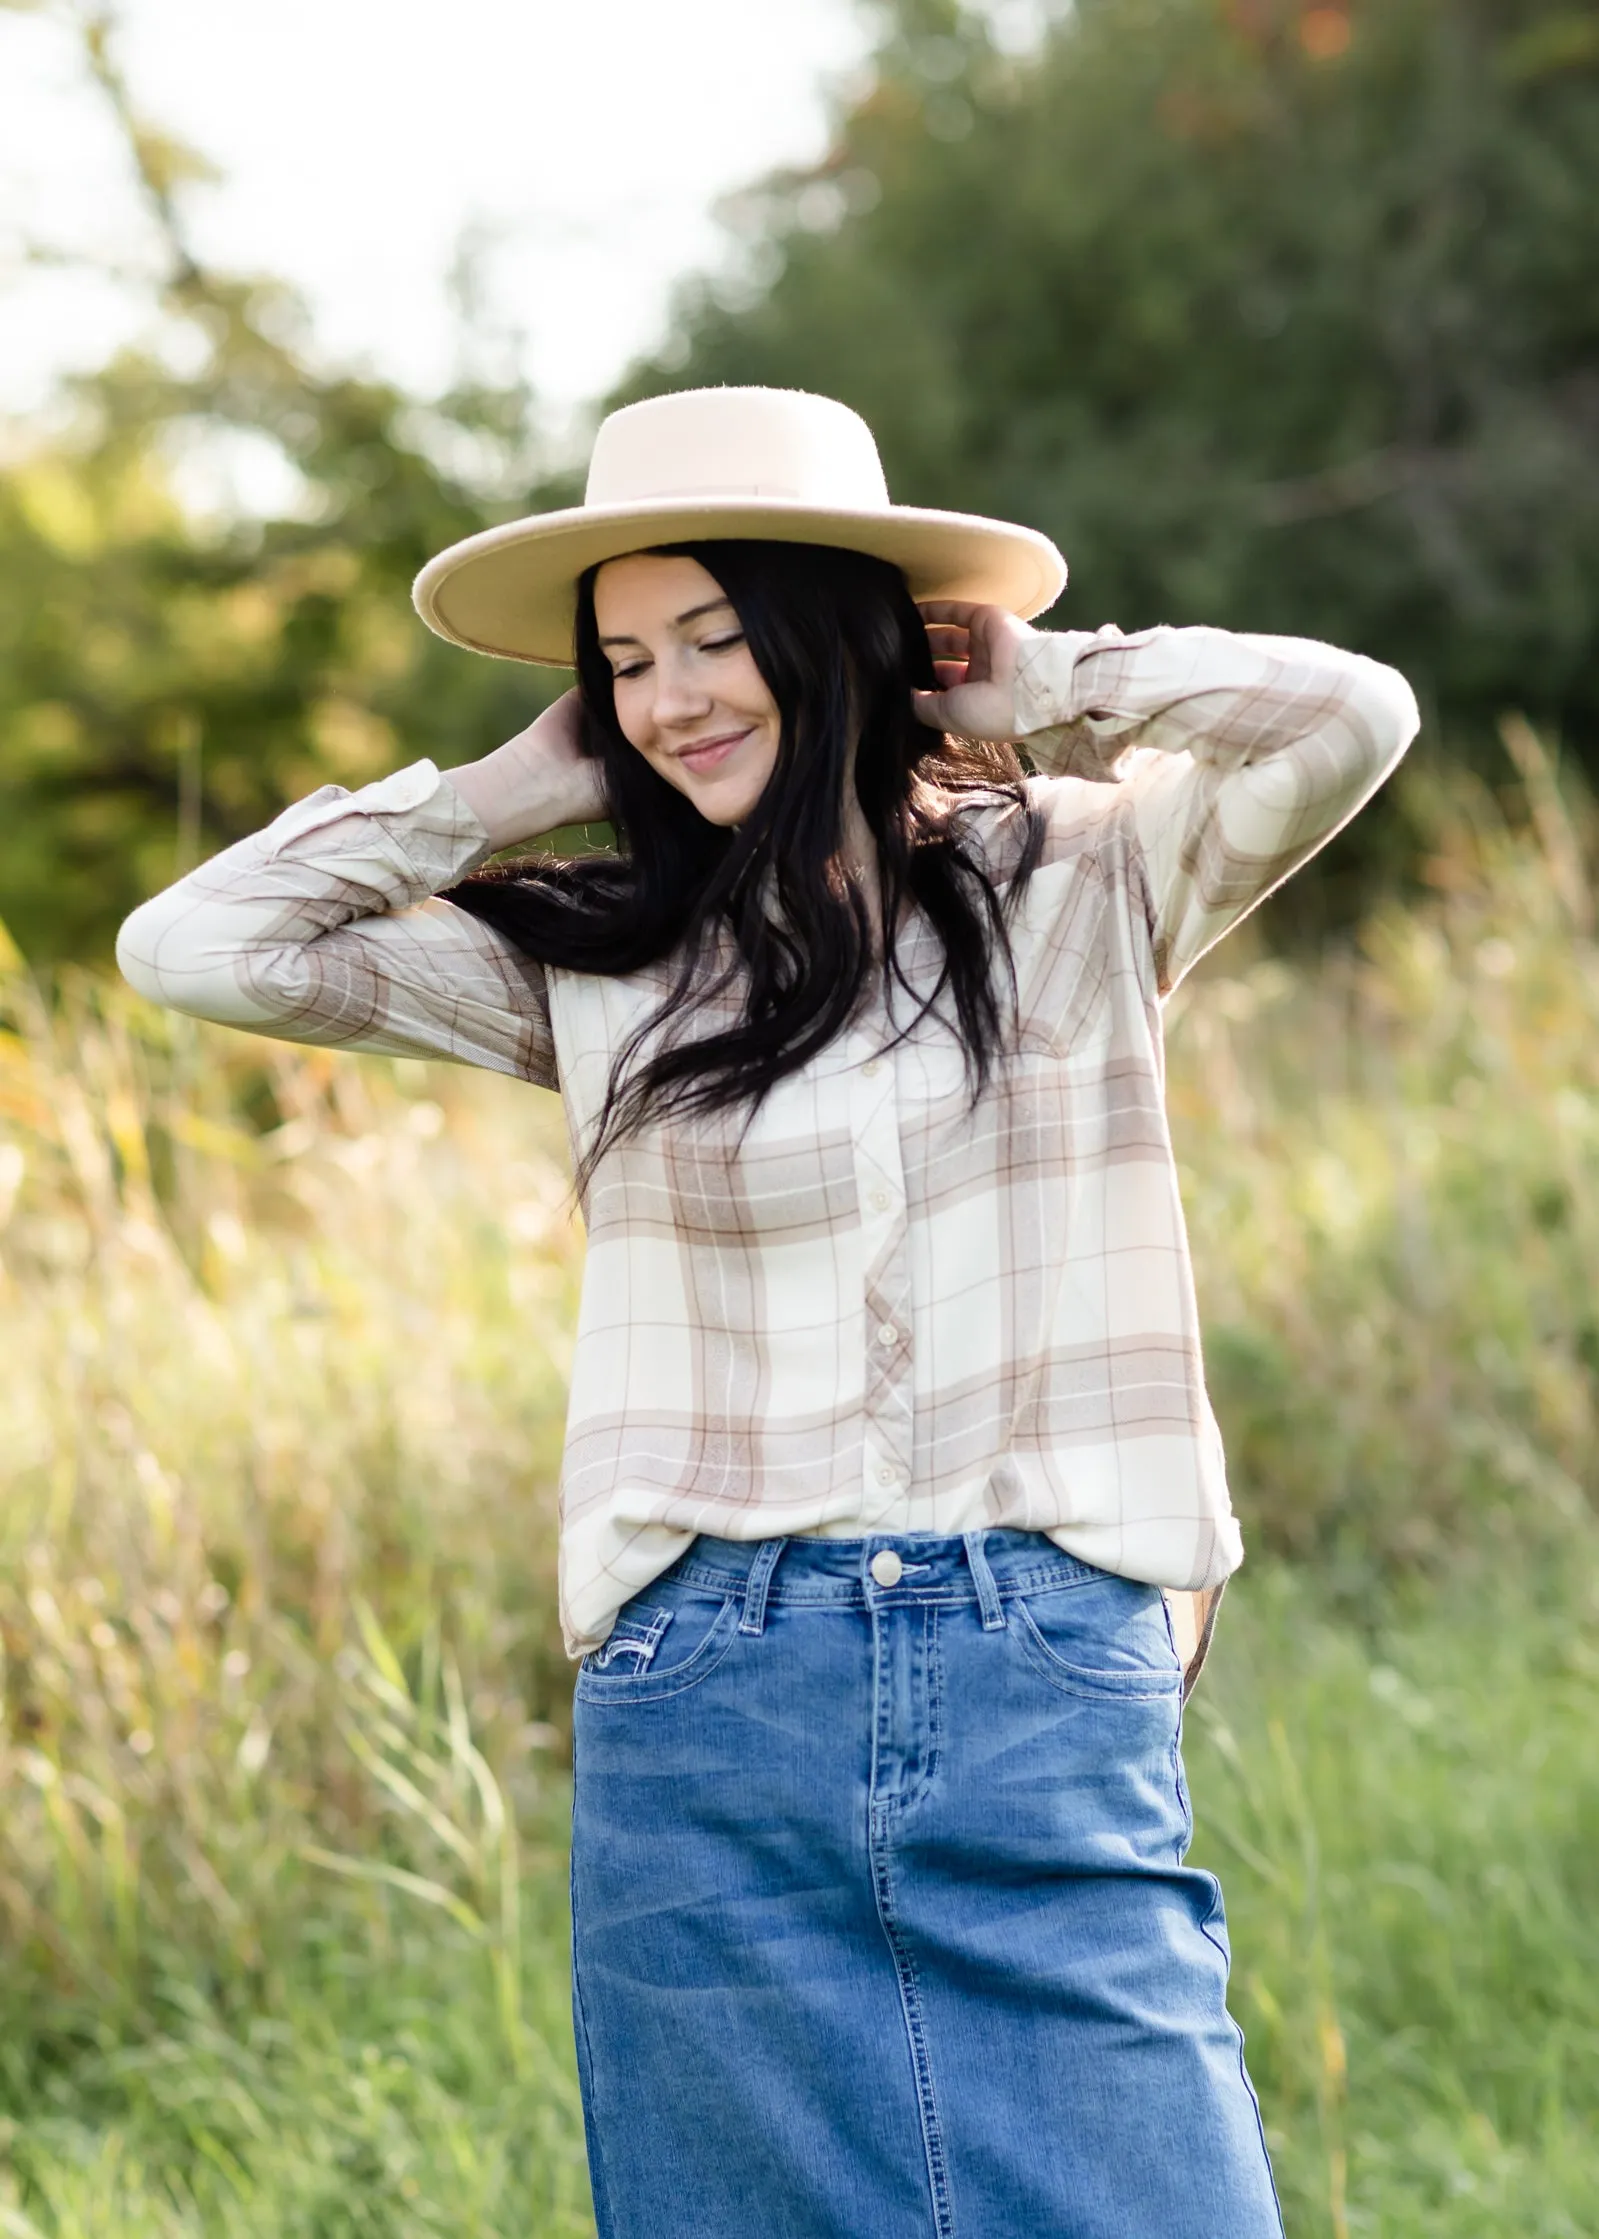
x=536 y=781
x=976 y=651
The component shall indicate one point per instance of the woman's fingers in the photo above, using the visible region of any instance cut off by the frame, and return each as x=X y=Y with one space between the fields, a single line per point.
x=951 y=650
x=974 y=650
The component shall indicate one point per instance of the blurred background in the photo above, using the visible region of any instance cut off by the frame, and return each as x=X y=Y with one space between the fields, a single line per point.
x=1274 y=315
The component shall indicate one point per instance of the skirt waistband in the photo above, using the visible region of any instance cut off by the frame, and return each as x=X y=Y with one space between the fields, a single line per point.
x=918 y=1567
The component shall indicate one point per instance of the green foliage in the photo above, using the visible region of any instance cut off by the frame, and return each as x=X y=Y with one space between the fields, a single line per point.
x=1277 y=315
x=172 y=672
x=367 y=2093
x=168 y=682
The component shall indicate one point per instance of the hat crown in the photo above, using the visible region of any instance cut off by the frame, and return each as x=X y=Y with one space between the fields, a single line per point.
x=737 y=443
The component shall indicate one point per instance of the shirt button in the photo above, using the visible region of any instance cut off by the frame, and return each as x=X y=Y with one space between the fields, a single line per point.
x=888 y=1334
x=887 y=1568
x=881 y=1201
x=871 y=1069
x=885 y=1475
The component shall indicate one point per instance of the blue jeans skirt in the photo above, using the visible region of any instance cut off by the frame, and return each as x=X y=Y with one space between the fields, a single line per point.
x=881 y=1926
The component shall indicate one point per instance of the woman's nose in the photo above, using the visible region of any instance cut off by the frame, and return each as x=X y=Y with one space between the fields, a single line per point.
x=680 y=697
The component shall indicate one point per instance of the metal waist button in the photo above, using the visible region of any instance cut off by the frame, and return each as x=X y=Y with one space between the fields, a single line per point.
x=887 y=1568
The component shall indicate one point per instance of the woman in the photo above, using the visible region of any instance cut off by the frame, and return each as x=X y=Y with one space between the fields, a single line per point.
x=888 y=1423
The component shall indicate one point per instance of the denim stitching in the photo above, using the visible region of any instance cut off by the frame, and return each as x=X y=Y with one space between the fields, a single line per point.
x=758 y=1587
x=1180 y=1782
x=1207 y=1931
x=845 y=1593
x=659 y=1687
x=921 y=2062
x=641 y=1641
x=983 y=1582
x=1122 y=1684
x=935 y=1701
x=880 y=1818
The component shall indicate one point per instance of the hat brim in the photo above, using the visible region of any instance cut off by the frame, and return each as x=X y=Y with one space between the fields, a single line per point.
x=512 y=591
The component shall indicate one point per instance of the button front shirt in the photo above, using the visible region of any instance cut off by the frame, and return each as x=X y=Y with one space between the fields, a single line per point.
x=875 y=1308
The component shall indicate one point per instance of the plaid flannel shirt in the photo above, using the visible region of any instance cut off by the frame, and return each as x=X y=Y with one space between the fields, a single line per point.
x=877 y=1309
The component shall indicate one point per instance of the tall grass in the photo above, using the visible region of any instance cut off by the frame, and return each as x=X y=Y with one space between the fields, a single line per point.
x=1391 y=1168
x=280 y=1401
x=1405 y=1817
x=281 y=1853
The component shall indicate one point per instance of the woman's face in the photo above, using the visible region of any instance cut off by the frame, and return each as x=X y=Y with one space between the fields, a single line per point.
x=688 y=693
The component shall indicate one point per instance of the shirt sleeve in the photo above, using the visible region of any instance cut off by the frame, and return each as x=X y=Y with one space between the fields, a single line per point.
x=325 y=928
x=1237 y=757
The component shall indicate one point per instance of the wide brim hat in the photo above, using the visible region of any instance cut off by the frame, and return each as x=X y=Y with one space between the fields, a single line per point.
x=773 y=464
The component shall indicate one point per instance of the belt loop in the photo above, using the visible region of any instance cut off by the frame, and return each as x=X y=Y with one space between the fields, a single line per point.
x=753 y=1620
x=983 y=1579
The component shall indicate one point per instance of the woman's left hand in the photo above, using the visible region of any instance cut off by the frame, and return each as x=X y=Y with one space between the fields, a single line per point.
x=975 y=652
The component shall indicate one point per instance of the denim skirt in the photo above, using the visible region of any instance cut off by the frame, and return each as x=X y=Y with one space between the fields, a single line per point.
x=881 y=1926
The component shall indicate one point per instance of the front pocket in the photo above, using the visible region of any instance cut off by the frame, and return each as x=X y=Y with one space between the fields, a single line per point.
x=657 y=1650
x=631 y=1641
x=1107 y=1636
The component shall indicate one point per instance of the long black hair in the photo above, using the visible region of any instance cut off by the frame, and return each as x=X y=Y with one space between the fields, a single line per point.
x=768 y=930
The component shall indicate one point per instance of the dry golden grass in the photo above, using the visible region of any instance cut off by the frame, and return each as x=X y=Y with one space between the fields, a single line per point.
x=280 y=1405
x=1391 y=1167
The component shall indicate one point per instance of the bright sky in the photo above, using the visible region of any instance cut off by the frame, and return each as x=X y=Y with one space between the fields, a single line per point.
x=582 y=142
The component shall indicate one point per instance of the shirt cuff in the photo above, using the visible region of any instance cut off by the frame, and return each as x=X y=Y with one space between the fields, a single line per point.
x=418 y=810
x=1050 y=717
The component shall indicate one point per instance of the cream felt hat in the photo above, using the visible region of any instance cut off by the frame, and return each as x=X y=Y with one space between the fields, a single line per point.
x=768 y=463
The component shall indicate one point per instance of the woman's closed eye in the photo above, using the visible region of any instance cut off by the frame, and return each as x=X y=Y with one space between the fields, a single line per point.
x=725 y=644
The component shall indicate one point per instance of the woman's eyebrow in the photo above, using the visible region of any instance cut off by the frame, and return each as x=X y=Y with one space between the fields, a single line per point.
x=690 y=614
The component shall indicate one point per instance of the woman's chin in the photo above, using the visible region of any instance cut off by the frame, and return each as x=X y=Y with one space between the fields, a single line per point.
x=723 y=801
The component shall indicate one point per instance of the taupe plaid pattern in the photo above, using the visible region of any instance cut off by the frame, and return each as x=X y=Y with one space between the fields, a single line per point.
x=874 y=1309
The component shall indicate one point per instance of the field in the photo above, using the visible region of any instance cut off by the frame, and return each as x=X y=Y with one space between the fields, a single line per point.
x=281 y=1849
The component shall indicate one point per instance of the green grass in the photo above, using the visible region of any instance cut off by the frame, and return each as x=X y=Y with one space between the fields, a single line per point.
x=370 y=2087
x=1405 y=1822
x=283 y=1341
x=1405 y=1819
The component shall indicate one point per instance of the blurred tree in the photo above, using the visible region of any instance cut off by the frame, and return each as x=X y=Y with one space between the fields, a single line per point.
x=170 y=675
x=1278 y=315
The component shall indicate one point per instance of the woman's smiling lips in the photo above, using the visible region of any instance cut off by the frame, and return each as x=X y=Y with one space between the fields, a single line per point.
x=710 y=752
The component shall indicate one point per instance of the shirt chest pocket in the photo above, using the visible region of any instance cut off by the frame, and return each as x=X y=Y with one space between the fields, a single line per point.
x=1062 y=944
